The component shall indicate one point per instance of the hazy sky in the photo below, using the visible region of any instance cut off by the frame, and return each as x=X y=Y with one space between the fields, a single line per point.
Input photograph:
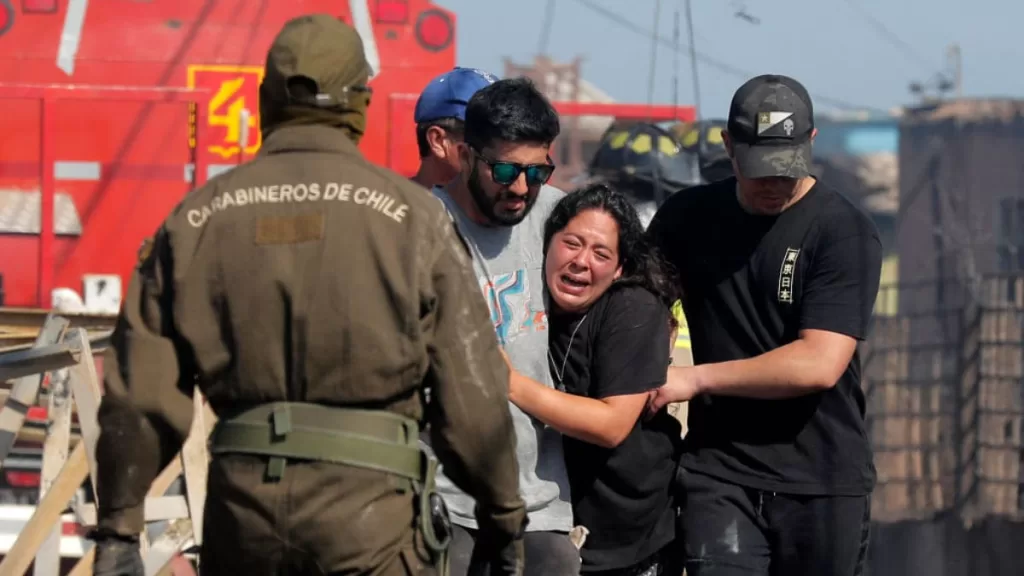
x=831 y=46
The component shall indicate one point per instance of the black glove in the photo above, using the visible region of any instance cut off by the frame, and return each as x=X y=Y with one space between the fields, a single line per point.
x=117 y=555
x=493 y=558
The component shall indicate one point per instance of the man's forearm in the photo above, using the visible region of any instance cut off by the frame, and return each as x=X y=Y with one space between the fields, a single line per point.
x=129 y=456
x=790 y=371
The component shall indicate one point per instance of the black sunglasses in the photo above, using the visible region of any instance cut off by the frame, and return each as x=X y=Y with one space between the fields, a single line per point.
x=506 y=173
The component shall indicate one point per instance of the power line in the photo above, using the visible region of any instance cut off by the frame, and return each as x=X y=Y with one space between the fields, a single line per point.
x=887 y=33
x=702 y=57
x=545 y=33
x=623 y=22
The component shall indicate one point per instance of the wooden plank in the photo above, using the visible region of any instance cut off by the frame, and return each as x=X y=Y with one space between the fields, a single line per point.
x=179 y=534
x=85 y=388
x=196 y=462
x=55 y=454
x=170 y=543
x=194 y=456
x=26 y=389
x=20 y=326
x=100 y=340
x=35 y=361
x=47 y=513
x=159 y=487
x=35 y=317
x=82 y=391
x=84 y=565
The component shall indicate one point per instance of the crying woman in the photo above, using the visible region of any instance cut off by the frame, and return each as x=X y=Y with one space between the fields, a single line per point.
x=609 y=315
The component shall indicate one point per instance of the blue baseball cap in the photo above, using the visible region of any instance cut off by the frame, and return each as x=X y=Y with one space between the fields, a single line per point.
x=447 y=95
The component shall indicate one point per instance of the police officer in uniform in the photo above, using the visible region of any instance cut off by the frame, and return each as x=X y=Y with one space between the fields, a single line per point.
x=311 y=296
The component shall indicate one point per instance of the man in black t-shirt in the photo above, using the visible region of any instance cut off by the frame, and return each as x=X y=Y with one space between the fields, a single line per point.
x=779 y=275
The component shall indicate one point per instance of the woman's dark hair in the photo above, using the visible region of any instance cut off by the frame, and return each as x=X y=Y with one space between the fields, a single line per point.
x=642 y=265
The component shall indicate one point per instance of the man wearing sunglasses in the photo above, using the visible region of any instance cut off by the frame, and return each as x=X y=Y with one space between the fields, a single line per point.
x=440 y=122
x=499 y=203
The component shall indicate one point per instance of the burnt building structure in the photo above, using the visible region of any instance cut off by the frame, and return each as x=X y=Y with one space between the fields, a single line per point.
x=943 y=366
x=945 y=375
x=961 y=210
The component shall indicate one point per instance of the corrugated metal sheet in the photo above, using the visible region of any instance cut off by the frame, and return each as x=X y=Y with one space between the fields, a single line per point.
x=19 y=213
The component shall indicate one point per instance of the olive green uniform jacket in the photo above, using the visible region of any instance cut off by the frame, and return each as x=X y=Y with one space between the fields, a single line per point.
x=306 y=275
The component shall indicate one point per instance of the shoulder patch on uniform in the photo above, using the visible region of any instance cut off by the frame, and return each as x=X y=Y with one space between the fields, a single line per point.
x=296 y=229
x=145 y=249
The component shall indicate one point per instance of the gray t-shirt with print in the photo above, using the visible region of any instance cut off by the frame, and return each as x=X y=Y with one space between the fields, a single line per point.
x=508 y=262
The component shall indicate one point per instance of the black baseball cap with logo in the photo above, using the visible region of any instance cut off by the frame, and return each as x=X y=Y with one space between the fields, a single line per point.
x=771 y=121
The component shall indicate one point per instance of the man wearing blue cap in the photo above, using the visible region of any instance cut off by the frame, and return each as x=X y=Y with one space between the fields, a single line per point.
x=440 y=120
x=499 y=200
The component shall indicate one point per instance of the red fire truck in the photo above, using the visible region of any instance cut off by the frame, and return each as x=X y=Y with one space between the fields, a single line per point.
x=114 y=110
x=100 y=140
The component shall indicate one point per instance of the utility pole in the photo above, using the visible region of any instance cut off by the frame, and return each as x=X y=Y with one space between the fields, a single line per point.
x=956 y=62
x=693 y=58
x=545 y=33
x=651 y=71
x=951 y=80
x=675 y=59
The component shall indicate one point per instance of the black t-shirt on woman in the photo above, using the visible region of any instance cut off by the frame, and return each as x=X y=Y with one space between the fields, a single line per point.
x=622 y=495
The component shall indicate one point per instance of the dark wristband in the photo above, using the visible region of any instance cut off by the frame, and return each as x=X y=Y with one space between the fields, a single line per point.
x=106 y=535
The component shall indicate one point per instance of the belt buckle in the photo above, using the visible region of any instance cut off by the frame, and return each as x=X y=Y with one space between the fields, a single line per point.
x=281 y=421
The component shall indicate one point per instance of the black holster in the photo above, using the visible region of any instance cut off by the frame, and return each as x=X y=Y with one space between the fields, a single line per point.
x=434 y=523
